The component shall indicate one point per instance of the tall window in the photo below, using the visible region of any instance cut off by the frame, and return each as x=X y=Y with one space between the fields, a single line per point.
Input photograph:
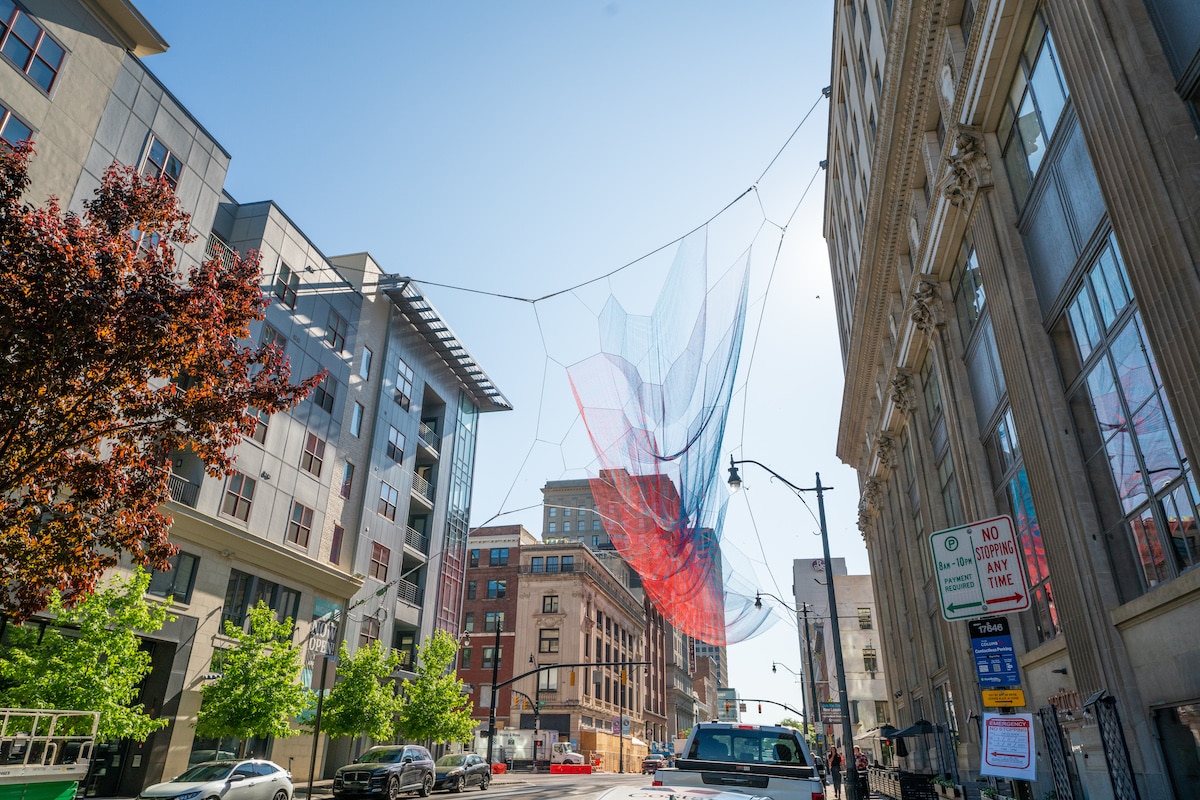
x=364 y=365
x=347 y=479
x=258 y=430
x=497 y=589
x=356 y=419
x=404 y=384
x=335 y=546
x=550 y=604
x=489 y=655
x=944 y=462
x=27 y=45
x=864 y=619
x=368 y=631
x=239 y=495
x=492 y=619
x=472 y=589
x=469 y=621
x=161 y=163
x=300 y=525
x=287 y=283
x=882 y=715
x=313 y=457
x=548 y=640
x=335 y=331
x=473 y=558
x=568 y=563
x=245 y=591
x=389 y=498
x=498 y=557
x=1036 y=101
x=325 y=393
x=177 y=582
x=870 y=659
x=1144 y=487
x=12 y=129
x=548 y=681
x=537 y=564
x=380 y=556
x=395 y=445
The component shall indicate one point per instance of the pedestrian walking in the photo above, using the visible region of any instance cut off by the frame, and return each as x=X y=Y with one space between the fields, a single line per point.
x=860 y=768
x=833 y=761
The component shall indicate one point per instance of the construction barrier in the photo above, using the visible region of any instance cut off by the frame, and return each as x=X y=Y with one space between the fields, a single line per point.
x=570 y=769
x=499 y=769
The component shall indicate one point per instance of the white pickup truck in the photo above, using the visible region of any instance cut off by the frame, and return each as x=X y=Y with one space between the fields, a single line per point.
x=758 y=760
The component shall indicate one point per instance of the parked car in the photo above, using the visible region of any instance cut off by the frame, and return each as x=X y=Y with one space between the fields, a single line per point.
x=457 y=772
x=387 y=771
x=652 y=762
x=246 y=779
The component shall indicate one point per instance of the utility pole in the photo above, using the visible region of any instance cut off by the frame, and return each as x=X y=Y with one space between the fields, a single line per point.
x=812 y=682
x=495 y=677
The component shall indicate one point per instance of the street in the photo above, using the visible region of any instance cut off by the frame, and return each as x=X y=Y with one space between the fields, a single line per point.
x=522 y=785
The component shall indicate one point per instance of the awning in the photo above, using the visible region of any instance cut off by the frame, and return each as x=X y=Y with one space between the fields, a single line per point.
x=636 y=741
x=918 y=728
x=882 y=732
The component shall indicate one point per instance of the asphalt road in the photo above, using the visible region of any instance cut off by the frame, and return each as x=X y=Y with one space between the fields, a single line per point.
x=527 y=786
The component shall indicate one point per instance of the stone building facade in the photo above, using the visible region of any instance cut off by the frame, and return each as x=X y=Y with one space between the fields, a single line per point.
x=1011 y=214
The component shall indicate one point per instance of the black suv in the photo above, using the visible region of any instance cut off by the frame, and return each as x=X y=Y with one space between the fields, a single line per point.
x=387 y=771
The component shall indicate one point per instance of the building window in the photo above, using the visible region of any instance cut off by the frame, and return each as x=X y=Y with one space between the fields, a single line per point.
x=548 y=680
x=553 y=527
x=1036 y=101
x=550 y=604
x=862 y=68
x=300 y=525
x=497 y=589
x=870 y=660
x=368 y=632
x=313 y=457
x=548 y=640
x=537 y=564
x=325 y=393
x=464 y=658
x=878 y=82
x=864 y=619
x=566 y=527
x=347 y=479
x=380 y=556
x=551 y=563
x=489 y=655
x=287 y=284
x=498 y=557
x=335 y=546
x=966 y=20
x=493 y=621
x=389 y=498
x=239 y=495
x=882 y=716
x=474 y=558
x=356 y=419
x=245 y=591
x=596 y=524
x=568 y=563
x=258 y=424
x=364 y=365
x=943 y=460
x=12 y=129
x=472 y=589
x=395 y=445
x=404 y=384
x=159 y=162
x=30 y=49
x=469 y=622
x=866 y=21
x=335 y=331
x=271 y=337
x=178 y=581
x=595 y=542
x=1140 y=476
x=967 y=287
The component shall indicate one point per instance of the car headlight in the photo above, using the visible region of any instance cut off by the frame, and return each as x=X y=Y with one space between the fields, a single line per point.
x=188 y=795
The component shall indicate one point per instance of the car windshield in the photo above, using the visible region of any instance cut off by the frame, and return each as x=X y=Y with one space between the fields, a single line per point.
x=382 y=755
x=452 y=761
x=206 y=772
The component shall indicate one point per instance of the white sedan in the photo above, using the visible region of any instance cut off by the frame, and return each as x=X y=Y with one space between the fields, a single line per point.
x=247 y=779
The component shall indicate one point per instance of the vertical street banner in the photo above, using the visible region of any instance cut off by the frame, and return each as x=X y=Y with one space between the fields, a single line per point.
x=322 y=642
x=1008 y=750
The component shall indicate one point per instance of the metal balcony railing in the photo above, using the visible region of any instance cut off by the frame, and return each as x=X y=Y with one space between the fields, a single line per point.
x=415 y=539
x=426 y=435
x=422 y=487
x=409 y=593
x=183 y=491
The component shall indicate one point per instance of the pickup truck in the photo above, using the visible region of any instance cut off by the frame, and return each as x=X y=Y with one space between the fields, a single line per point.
x=759 y=760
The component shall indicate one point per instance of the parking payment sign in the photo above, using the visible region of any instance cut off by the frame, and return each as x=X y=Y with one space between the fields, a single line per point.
x=995 y=658
x=979 y=569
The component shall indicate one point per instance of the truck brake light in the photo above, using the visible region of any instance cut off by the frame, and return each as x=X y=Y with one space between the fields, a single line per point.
x=818 y=796
x=657 y=782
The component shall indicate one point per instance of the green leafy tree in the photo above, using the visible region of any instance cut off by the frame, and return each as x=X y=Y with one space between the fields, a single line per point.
x=113 y=358
x=258 y=692
x=434 y=706
x=792 y=722
x=99 y=666
x=363 y=702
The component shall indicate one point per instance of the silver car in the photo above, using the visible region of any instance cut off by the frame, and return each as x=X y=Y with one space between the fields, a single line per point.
x=247 y=779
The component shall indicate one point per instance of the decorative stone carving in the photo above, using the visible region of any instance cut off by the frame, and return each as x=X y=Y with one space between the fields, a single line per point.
x=885 y=448
x=947 y=84
x=968 y=169
x=927 y=310
x=902 y=393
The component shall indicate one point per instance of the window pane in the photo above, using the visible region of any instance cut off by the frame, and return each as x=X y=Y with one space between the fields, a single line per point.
x=1030 y=130
x=15 y=49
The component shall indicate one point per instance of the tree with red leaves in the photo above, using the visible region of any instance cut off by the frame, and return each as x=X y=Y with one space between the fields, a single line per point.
x=99 y=333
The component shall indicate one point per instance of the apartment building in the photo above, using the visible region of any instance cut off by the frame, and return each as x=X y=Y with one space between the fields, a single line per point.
x=1011 y=220
x=359 y=498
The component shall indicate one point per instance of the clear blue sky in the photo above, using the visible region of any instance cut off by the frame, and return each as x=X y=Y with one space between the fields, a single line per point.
x=523 y=147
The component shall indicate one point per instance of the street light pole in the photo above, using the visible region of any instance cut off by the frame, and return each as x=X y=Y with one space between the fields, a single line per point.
x=495 y=678
x=735 y=483
x=812 y=683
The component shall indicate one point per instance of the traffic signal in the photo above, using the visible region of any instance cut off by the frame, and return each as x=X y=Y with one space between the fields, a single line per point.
x=624 y=677
x=760 y=708
x=572 y=677
x=727 y=704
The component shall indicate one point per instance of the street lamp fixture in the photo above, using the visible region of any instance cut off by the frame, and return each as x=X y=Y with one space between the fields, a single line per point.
x=735 y=483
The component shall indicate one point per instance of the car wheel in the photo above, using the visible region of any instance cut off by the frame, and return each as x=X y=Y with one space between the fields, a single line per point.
x=459 y=784
x=393 y=788
x=426 y=786
x=485 y=781
x=281 y=795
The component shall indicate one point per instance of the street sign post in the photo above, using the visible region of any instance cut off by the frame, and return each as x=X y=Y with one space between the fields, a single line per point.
x=995 y=658
x=979 y=569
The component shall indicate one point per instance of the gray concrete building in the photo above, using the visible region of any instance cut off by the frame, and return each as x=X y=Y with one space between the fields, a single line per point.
x=1011 y=215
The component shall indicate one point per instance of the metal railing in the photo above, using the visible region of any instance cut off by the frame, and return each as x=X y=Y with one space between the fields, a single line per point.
x=422 y=487
x=426 y=435
x=216 y=247
x=415 y=539
x=183 y=491
x=33 y=740
x=409 y=593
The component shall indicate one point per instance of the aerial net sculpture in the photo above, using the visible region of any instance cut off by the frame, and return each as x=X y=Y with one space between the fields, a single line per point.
x=654 y=401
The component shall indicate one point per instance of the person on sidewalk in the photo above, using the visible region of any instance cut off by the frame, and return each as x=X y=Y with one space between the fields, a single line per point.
x=860 y=768
x=833 y=761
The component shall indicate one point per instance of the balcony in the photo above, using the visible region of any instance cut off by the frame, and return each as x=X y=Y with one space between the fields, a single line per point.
x=415 y=539
x=409 y=593
x=423 y=490
x=183 y=491
x=430 y=440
